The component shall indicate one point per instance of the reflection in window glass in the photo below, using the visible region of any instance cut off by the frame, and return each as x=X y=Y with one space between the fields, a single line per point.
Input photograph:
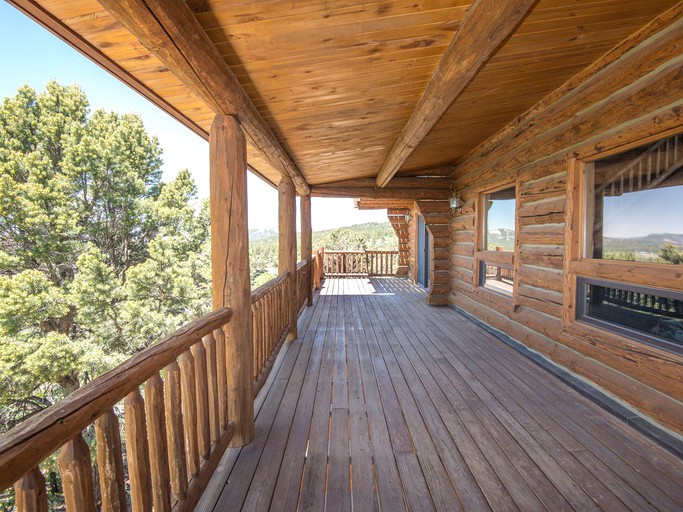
x=635 y=204
x=499 y=218
x=496 y=276
x=653 y=316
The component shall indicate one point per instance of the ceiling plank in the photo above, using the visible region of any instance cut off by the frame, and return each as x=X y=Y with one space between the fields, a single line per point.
x=487 y=25
x=169 y=29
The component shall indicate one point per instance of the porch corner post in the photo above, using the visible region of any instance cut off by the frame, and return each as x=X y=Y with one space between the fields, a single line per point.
x=287 y=247
x=230 y=266
x=307 y=243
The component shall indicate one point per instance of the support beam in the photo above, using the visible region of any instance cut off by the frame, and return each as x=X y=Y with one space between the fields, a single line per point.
x=307 y=243
x=401 y=188
x=486 y=27
x=230 y=266
x=169 y=30
x=287 y=247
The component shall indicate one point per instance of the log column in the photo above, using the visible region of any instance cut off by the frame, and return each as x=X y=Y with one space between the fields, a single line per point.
x=230 y=266
x=307 y=243
x=287 y=247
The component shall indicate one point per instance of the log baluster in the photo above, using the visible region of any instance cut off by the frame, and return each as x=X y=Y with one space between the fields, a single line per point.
x=174 y=431
x=201 y=393
x=189 y=407
x=110 y=462
x=137 y=452
x=219 y=336
x=158 y=450
x=30 y=494
x=76 y=472
x=212 y=383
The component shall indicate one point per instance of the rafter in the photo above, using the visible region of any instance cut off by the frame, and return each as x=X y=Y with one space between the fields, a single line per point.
x=169 y=29
x=484 y=29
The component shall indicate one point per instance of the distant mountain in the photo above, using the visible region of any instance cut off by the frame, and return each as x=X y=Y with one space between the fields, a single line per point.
x=262 y=234
x=649 y=243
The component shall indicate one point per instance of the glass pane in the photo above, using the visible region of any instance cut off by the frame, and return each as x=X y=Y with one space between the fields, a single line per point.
x=496 y=277
x=635 y=204
x=641 y=314
x=500 y=220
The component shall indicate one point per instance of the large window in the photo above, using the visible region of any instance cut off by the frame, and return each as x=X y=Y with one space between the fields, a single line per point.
x=497 y=241
x=625 y=258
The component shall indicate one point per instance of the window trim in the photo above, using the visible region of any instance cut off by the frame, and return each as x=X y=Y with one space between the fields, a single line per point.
x=582 y=316
x=481 y=254
x=620 y=273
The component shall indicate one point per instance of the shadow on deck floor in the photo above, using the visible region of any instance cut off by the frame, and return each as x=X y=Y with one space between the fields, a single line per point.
x=385 y=401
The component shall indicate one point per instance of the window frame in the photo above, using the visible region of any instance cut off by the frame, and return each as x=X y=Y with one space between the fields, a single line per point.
x=645 y=276
x=483 y=255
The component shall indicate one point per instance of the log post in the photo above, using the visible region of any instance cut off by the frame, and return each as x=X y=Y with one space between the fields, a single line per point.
x=74 y=467
x=307 y=244
x=29 y=492
x=110 y=462
x=230 y=266
x=287 y=248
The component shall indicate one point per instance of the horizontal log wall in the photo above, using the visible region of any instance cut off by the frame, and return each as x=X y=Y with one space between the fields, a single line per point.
x=632 y=93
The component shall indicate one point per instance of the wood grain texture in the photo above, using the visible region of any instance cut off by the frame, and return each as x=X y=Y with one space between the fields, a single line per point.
x=137 y=452
x=174 y=431
x=30 y=493
x=449 y=416
x=110 y=462
x=76 y=472
x=307 y=245
x=230 y=265
x=158 y=445
x=484 y=29
x=287 y=248
x=171 y=32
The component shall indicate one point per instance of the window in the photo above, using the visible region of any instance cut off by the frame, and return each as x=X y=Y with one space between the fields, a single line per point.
x=634 y=204
x=626 y=244
x=644 y=314
x=497 y=241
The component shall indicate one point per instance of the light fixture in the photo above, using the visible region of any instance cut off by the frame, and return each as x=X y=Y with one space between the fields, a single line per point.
x=408 y=217
x=455 y=201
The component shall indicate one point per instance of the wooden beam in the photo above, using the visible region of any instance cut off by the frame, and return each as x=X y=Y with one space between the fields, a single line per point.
x=307 y=242
x=169 y=30
x=287 y=248
x=485 y=28
x=230 y=265
x=400 y=188
x=382 y=204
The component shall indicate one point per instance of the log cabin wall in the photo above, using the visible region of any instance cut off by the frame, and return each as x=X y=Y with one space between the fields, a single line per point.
x=631 y=94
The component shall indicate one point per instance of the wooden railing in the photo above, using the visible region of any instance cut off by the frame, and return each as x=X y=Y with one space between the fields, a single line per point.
x=179 y=416
x=269 y=326
x=499 y=272
x=359 y=263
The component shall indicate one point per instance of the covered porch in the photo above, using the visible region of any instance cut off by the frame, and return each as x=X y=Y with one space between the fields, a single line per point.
x=384 y=402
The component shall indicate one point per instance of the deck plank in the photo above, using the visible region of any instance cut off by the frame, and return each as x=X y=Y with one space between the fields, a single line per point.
x=385 y=403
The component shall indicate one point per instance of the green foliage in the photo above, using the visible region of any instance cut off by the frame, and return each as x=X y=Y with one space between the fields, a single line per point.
x=98 y=258
x=669 y=253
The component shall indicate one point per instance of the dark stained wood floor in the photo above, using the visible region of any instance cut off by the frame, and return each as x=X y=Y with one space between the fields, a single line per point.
x=385 y=403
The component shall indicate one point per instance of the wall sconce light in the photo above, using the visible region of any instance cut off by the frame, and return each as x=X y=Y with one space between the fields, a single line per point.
x=408 y=217
x=455 y=201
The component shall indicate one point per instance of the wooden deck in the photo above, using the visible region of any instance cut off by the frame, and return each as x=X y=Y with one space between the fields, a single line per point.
x=386 y=403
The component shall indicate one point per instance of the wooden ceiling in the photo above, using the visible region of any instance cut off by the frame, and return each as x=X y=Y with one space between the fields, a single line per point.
x=337 y=80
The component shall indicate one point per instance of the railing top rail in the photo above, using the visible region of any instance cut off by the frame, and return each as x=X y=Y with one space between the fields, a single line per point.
x=301 y=264
x=263 y=290
x=28 y=444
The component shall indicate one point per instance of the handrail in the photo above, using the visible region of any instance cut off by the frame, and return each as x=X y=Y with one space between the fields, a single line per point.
x=262 y=290
x=269 y=326
x=23 y=448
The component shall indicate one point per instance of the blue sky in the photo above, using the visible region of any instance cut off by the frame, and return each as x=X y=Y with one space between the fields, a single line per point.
x=31 y=55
